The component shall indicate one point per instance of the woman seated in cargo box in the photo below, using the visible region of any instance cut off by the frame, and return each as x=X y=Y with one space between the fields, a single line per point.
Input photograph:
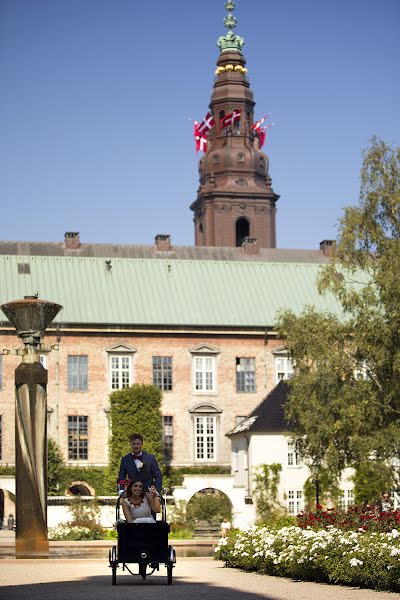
x=138 y=504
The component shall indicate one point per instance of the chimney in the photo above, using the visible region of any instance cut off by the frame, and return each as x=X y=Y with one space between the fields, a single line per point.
x=163 y=242
x=71 y=240
x=250 y=245
x=327 y=247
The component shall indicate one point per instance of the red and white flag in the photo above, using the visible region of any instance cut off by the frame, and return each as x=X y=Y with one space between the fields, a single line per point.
x=207 y=123
x=256 y=126
x=230 y=119
x=262 y=134
x=201 y=143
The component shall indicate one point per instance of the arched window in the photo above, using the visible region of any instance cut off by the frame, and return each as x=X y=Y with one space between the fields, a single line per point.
x=242 y=230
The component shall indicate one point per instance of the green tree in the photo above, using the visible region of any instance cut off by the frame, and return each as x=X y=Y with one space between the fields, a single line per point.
x=135 y=410
x=208 y=505
x=345 y=398
x=370 y=479
x=55 y=469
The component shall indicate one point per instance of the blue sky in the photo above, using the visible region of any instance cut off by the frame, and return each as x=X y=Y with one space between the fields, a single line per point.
x=95 y=97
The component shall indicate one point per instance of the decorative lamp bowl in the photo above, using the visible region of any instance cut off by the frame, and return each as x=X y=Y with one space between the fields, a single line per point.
x=30 y=316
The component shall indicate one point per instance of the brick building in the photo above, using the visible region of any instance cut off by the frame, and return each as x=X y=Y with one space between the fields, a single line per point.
x=197 y=324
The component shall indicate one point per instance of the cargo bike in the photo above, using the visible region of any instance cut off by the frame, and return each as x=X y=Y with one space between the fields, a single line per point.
x=144 y=544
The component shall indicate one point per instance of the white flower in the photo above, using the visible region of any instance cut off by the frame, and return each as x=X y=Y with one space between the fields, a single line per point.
x=354 y=562
x=139 y=464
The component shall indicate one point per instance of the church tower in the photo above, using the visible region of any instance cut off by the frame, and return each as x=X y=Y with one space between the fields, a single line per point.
x=235 y=199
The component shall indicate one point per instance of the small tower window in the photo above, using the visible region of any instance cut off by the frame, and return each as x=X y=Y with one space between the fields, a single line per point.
x=242 y=230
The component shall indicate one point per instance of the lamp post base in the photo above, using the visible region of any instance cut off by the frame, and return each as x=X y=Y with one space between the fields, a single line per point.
x=31 y=548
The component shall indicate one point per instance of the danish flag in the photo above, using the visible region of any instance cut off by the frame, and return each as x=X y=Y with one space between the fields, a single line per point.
x=230 y=119
x=200 y=139
x=201 y=143
x=207 y=123
x=262 y=134
x=258 y=124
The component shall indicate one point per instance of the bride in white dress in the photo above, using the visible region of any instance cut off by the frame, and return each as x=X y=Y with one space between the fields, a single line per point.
x=138 y=504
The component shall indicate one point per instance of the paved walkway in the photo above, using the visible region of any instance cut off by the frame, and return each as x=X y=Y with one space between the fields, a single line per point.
x=197 y=579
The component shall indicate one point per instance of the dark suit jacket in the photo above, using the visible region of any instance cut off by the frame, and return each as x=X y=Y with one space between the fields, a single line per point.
x=149 y=474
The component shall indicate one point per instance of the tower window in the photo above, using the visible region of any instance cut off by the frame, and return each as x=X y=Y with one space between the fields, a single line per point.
x=242 y=230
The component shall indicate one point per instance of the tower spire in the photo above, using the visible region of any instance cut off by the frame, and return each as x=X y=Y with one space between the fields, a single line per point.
x=235 y=199
x=230 y=42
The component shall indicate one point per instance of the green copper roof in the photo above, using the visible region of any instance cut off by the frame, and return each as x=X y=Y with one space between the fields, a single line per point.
x=162 y=292
x=230 y=42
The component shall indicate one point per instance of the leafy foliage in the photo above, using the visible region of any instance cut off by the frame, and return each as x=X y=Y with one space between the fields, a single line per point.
x=266 y=482
x=353 y=520
x=328 y=487
x=7 y=471
x=370 y=479
x=174 y=476
x=55 y=469
x=345 y=399
x=367 y=559
x=134 y=410
x=96 y=477
x=84 y=511
x=84 y=523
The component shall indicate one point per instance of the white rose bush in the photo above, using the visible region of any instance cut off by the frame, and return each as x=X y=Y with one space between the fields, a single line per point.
x=358 y=558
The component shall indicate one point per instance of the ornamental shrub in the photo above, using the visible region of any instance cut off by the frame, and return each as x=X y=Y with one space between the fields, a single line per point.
x=363 y=558
x=135 y=409
x=266 y=482
x=350 y=521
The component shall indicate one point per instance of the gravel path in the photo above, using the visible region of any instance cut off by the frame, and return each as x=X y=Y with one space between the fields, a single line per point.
x=194 y=579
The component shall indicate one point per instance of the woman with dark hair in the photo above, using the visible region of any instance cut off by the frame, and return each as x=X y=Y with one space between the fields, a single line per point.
x=138 y=504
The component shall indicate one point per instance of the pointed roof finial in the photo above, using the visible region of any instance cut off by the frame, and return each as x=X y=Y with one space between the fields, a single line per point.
x=230 y=42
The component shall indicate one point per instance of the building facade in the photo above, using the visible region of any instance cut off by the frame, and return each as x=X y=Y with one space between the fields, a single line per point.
x=203 y=331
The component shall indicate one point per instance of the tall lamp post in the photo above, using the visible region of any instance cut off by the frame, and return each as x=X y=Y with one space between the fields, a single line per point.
x=30 y=318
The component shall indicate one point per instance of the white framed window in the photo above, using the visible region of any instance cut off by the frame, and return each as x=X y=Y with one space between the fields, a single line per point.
x=204 y=369
x=295 y=502
x=204 y=373
x=284 y=368
x=120 y=371
x=293 y=456
x=345 y=499
x=120 y=366
x=205 y=437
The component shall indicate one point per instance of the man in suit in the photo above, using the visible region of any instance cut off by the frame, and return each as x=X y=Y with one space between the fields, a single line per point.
x=139 y=465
